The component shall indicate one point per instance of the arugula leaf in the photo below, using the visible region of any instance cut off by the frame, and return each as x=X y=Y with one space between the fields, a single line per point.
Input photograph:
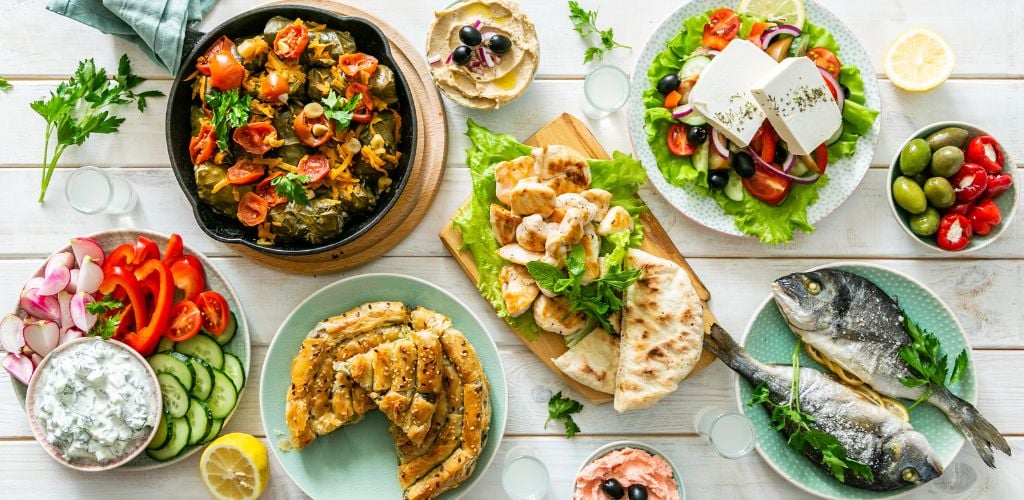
x=230 y=110
x=339 y=109
x=78 y=108
x=5 y=85
x=291 y=187
x=929 y=367
x=105 y=326
x=584 y=22
x=107 y=303
x=562 y=408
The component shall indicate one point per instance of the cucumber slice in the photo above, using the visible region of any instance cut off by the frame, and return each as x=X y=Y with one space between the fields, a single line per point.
x=693 y=66
x=163 y=432
x=174 y=363
x=178 y=441
x=228 y=333
x=799 y=169
x=203 y=346
x=700 y=156
x=199 y=418
x=694 y=119
x=223 y=396
x=233 y=369
x=204 y=377
x=215 y=427
x=734 y=189
x=165 y=345
x=174 y=394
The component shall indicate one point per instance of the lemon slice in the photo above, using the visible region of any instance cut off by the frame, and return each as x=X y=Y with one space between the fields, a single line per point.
x=783 y=11
x=919 y=60
x=235 y=467
x=897 y=408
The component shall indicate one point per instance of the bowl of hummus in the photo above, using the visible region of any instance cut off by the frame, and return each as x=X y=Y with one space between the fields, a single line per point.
x=628 y=470
x=482 y=53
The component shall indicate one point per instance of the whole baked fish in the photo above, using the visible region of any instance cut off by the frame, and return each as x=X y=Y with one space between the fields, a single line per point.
x=857 y=326
x=897 y=454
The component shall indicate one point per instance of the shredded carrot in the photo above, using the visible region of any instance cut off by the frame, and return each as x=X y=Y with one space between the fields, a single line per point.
x=220 y=185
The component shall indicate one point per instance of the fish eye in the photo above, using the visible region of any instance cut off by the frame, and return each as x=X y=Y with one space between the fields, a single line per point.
x=813 y=287
x=910 y=475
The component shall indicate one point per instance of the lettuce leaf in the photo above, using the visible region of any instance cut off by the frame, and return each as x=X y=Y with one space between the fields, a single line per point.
x=622 y=176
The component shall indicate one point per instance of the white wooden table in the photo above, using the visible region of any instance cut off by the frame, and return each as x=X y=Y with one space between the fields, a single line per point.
x=40 y=48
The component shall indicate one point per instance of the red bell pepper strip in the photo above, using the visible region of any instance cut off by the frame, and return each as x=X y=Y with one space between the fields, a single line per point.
x=954 y=232
x=122 y=256
x=984 y=150
x=984 y=216
x=146 y=335
x=145 y=249
x=123 y=279
x=189 y=276
x=997 y=185
x=174 y=250
x=969 y=182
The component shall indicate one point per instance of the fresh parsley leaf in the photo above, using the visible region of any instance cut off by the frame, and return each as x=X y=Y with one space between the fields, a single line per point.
x=107 y=303
x=80 y=106
x=584 y=22
x=105 y=326
x=229 y=110
x=928 y=366
x=5 y=85
x=562 y=408
x=959 y=367
x=338 y=109
x=291 y=187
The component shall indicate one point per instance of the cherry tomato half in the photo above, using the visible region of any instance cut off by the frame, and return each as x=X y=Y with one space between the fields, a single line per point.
x=252 y=210
x=352 y=64
x=221 y=45
x=272 y=86
x=314 y=166
x=766 y=186
x=245 y=171
x=304 y=126
x=202 y=146
x=255 y=137
x=363 y=112
x=720 y=29
x=226 y=73
x=677 y=142
x=216 y=314
x=291 y=41
x=825 y=60
x=186 y=320
x=268 y=192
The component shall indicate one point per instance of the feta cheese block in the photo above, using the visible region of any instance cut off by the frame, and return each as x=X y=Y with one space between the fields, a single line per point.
x=798 y=104
x=722 y=93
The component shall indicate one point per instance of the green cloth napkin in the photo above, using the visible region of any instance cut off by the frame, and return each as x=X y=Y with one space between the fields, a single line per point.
x=156 y=26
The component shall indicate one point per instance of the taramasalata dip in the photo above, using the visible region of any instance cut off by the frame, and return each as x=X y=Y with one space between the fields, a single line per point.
x=619 y=470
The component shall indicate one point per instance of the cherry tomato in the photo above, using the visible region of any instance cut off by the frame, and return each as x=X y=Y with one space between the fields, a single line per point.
x=969 y=182
x=315 y=167
x=252 y=210
x=821 y=159
x=189 y=276
x=255 y=137
x=145 y=249
x=984 y=150
x=223 y=44
x=245 y=172
x=955 y=232
x=363 y=112
x=272 y=86
x=175 y=248
x=352 y=64
x=304 y=125
x=756 y=31
x=720 y=29
x=202 y=146
x=186 y=320
x=766 y=186
x=226 y=73
x=268 y=192
x=216 y=314
x=677 y=142
x=291 y=41
x=825 y=59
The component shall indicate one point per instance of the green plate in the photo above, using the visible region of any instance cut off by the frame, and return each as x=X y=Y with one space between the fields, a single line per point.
x=769 y=339
x=358 y=461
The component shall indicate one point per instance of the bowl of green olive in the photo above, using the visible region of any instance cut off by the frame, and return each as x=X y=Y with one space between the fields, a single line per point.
x=952 y=187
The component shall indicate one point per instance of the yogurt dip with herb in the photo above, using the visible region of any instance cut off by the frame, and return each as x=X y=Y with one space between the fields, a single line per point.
x=94 y=401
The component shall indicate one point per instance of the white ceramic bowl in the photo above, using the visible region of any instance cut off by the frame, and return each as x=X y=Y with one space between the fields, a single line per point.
x=1007 y=202
x=618 y=445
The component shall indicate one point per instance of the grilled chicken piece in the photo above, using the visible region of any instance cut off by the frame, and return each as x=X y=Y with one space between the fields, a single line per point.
x=562 y=168
x=616 y=220
x=508 y=173
x=518 y=255
x=566 y=201
x=591 y=247
x=531 y=197
x=532 y=233
x=552 y=314
x=601 y=199
x=504 y=223
x=518 y=289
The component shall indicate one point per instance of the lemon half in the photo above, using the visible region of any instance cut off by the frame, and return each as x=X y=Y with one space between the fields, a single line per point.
x=785 y=11
x=919 y=60
x=235 y=467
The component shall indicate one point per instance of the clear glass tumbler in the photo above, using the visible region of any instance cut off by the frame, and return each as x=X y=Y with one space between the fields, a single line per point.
x=730 y=434
x=605 y=90
x=524 y=476
x=92 y=190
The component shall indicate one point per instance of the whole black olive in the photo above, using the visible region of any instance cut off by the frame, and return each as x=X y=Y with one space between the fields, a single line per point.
x=697 y=135
x=846 y=91
x=668 y=83
x=499 y=44
x=743 y=164
x=637 y=492
x=613 y=488
x=717 y=179
x=461 y=55
x=470 y=36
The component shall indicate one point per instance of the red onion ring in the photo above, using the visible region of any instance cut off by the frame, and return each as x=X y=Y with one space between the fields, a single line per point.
x=449 y=60
x=770 y=33
x=477 y=24
x=719 y=143
x=681 y=111
x=789 y=162
x=831 y=80
x=772 y=169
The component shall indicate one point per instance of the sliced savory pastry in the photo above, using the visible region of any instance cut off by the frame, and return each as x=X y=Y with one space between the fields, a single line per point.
x=593 y=361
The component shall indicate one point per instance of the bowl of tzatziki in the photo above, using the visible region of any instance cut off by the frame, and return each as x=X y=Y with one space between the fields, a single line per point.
x=93 y=404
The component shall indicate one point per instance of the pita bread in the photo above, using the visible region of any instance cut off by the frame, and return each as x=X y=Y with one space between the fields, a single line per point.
x=662 y=332
x=593 y=361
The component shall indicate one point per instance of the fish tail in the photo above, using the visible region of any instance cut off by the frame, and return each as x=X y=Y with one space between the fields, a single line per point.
x=979 y=431
x=725 y=348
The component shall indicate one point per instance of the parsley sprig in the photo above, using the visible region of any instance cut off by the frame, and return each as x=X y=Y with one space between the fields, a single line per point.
x=584 y=22
x=230 y=110
x=340 y=109
x=80 y=106
x=562 y=408
x=833 y=454
x=102 y=306
x=106 y=325
x=5 y=85
x=928 y=365
x=292 y=187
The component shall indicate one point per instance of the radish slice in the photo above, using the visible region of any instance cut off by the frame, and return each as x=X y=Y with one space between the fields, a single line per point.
x=55 y=280
x=12 y=334
x=20 y=367
x=720 y=143
x=36 y=359
x=90 y=275
x=772 y=169
x=86 y=246
x=34 y=282
x=42 y=337
x=59 y=259
x=681 y=111
x=66 y=321
x=73 y=283
x=81 y=317
x=40 y=306
x=70 y=335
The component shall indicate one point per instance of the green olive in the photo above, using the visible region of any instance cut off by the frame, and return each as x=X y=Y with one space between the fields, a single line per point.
x=946 y=161
x=949 y=136
x=908 y=194
x=939 y=192
x=925 y=223
x=915 y=157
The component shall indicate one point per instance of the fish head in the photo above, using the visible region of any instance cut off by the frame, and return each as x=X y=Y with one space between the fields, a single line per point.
x=908 y=459
x=807 y=299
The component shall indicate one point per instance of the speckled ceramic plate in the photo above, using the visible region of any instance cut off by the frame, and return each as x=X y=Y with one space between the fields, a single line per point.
x=769 y=339
x=358 y=461
x=844 y=175
x=238 y=345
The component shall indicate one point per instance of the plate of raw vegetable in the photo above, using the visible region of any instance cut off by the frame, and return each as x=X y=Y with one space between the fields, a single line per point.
x=762 y=147
x=159 y=297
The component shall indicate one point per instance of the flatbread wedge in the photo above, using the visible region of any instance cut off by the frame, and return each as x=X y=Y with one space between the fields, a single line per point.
x=592 y=362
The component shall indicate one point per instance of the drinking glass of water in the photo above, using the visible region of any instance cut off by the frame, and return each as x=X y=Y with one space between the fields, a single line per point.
x=524 y=476
x=730 y=434
x=92 y=190
x=605 y=90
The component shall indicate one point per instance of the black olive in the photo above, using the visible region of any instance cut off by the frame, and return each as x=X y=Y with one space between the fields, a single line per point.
x=743 y=164
x=470 y=36
x=613 y=488
x=637 y=492
x=697 y=135
x=461 y=55
x=717 y=179
x=846 y=91
x=667 y=84
x=499 y=44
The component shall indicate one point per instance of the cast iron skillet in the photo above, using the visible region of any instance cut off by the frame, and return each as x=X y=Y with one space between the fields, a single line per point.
x=220 y=227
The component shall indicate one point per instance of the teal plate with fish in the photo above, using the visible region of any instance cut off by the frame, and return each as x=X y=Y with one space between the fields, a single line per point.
x=769 y=339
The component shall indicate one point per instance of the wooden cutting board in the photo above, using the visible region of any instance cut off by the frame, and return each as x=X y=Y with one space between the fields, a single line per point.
x=569 y=131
